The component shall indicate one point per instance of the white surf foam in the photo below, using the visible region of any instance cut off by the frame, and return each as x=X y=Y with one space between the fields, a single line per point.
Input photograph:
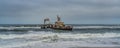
x=22 y=27
x=67 y=44
x=60 y=35
x=42 y=37
x=97 y=27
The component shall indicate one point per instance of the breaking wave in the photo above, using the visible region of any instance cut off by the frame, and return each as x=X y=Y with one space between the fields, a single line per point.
x=42 y=35
x=35 y=37
x=22 y=28
x=49 y=37
x=97 y=27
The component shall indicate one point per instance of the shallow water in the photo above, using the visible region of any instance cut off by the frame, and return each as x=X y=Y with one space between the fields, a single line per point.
x=82 y=36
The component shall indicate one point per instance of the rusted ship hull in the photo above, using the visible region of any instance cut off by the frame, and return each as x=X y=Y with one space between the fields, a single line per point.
x=47 y=26
x=62 y=28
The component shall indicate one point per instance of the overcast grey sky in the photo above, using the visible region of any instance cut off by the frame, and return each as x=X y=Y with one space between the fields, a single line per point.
x=71 y=11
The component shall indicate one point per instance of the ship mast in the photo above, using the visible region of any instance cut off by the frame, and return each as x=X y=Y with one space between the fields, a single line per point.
x=46 y=19
x=58 y=18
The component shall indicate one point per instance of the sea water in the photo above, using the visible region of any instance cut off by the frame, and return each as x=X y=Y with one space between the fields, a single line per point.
x=82 y=36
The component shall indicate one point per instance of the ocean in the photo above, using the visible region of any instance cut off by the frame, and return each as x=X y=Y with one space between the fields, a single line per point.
x=82 y=36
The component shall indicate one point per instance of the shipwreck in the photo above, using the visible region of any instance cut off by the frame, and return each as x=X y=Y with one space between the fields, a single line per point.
x=58 y=25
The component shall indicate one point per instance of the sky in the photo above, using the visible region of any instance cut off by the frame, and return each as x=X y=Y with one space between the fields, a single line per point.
x=70 y=11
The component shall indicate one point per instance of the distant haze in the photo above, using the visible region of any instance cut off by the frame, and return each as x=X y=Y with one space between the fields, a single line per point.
x=70 y=11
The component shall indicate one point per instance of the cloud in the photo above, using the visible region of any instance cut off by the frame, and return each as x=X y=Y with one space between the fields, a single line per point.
x=75 y=10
